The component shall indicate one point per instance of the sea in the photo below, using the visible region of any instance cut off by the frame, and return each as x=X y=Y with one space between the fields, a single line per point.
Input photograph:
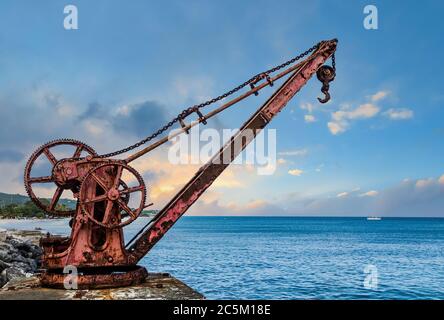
x=295 y=257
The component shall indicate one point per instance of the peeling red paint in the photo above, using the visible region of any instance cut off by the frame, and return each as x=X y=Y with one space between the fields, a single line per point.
x=96 y=243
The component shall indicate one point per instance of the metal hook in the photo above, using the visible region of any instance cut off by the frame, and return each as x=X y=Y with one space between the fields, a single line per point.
x=324 y=90
x=325 y=74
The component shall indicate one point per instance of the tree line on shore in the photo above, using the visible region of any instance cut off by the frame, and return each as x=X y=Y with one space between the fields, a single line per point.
x=30 y=210
x=26 y=210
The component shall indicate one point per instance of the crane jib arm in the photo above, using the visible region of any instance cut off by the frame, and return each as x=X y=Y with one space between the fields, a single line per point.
x=208 y=173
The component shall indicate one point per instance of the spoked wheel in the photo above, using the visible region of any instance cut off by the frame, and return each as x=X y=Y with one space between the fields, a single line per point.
x=108 y=191
x=44 y=153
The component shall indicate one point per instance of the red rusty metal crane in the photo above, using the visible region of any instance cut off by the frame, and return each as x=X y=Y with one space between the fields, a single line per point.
x=96 y=245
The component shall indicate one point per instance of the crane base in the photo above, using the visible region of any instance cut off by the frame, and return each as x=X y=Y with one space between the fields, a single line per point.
x=157 y=286
x=94 y=278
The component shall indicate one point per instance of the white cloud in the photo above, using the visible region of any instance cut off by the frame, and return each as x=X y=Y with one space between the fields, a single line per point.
x=94 y=128
x=198 y=88
x=348 y=193
x=307 y=106
x=166 y=178
x=412 y=198
x=298 y=153
x=441 y=179
x=367 y=110
x=336 y=127
x=401 y=200
x=123 y=110
x=295 y=172
x=281 y=161
x=379 y=95
x=370 y=193
x=65 y=111
x=309 y=118
x=422 y=183
x=252 y=208
x=341 y=118
x=399 y=113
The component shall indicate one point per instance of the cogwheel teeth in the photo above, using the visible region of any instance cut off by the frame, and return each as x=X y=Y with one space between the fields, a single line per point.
x=29 y=181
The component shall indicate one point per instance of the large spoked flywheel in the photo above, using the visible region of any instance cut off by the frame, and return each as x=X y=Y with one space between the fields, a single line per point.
x=46 y=156
x=112 y=194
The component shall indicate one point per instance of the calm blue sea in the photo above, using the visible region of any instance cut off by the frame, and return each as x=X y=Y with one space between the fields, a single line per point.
x=296 y=258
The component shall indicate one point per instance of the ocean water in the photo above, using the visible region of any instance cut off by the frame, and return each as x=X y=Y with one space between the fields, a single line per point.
x=296 y=258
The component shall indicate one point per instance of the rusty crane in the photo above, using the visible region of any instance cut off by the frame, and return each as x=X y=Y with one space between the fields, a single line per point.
x=96 y=245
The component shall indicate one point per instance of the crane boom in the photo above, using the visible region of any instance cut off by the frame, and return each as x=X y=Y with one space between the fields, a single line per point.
x=209 y=172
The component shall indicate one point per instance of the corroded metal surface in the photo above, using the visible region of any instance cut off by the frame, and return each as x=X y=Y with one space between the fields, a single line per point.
x=63 y=175
x=116 y=194
x=97 y=278
x=103 y=195
x=325 y=74
x=155 y=287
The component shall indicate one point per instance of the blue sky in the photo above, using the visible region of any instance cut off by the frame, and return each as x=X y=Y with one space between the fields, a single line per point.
x=376 y=148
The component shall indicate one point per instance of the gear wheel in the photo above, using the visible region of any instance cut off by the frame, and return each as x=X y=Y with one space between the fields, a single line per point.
x=29 y=181
x=104 y=194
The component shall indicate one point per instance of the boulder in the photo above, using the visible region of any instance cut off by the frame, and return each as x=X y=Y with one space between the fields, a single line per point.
x=5 y=256
x=3 y=279
x=3 y=265
x=19 y=257
x=14 y=273
x=2 y=235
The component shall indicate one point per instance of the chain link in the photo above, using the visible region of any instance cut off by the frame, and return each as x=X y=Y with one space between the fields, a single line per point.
x=190 y=110
x=333 y=61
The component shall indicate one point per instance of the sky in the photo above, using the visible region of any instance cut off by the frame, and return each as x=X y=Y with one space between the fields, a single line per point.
x=375 y=149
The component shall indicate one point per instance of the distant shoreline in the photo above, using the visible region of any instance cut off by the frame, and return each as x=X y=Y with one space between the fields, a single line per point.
x=234 y=216
x=31 y=218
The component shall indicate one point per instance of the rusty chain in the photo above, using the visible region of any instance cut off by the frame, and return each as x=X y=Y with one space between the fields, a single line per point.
x=333 y=61
x=196 y=108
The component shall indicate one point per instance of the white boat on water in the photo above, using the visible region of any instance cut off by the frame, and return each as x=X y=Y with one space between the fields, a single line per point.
x=374 y=218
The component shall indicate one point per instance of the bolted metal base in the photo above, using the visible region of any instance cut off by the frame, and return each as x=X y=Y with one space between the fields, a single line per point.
x=94 y=278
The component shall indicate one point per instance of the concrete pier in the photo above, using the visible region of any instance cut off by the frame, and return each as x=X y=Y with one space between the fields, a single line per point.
x=19 y=256
x=158 y=286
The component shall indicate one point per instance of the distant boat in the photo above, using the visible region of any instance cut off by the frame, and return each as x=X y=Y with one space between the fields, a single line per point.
x=374 y=218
